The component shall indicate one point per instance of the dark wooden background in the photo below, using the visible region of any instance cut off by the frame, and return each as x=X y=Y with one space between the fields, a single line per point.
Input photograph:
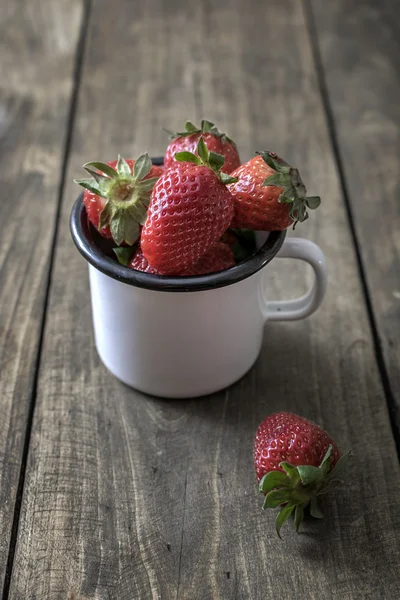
x=106 y=493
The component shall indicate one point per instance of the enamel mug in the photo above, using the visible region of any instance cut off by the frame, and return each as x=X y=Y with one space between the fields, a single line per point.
x=181 y=337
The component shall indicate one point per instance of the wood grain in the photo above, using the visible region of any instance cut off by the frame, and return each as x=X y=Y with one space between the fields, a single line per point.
x=37 y=46
x=360 y=53
x=130 y=497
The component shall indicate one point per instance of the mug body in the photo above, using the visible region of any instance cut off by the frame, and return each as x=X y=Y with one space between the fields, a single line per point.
x=177 y=345
x=180 y=337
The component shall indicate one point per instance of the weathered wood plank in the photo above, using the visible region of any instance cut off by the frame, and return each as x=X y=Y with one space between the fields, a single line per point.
x=37 y=46
x=360 y=54
x=132 y=497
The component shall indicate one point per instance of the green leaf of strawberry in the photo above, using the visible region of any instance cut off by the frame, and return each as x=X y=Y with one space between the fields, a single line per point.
x=291 y=471
x=190 y=128
x=310 y=475
x=106 y=215
x=274 y=162
x=315 y=509
x=226 y=179
x=313 y=202
x=100 y=179
x=282 y=517
x=126 y=190
x=124 y=227
x=272 y=480
x=123 y=167
x=103 y=167
x=207 y=159
x=203 y=152
x=124 y=254
x=205 y=127
x=298 y=516
x=142 y=167
x=187 y=157
x=326 y=464
x=276 y=498
x=89 y=184
x=277 y=179
x=216 y=160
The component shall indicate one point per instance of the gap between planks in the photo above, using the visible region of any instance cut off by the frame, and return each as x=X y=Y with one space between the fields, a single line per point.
x=321 y=80
x=78 y=63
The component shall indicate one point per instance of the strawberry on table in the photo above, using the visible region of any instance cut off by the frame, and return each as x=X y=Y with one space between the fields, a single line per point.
x=117 y=196
x=215 y=141
x=269 y=194
x=295 y=461
x=190 y=209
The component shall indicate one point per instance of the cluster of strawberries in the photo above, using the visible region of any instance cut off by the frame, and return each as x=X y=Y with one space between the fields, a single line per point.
x=189 y=216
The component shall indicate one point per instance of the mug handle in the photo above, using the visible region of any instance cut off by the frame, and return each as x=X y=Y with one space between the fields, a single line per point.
x=291 y=310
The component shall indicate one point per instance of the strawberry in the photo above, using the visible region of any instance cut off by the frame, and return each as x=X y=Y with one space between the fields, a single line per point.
x=269 y=194
x=117 y=196
x=295 y=461
x=139 y=262
x=229 y=238
x=217 y=258
x=214 y=140
x=189 y=210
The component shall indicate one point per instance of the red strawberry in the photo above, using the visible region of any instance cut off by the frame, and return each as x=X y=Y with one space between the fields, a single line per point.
x=295 y=462
x=190 y=208
x=229 y=237
x=117 y=196
x=217 y=258
x=139 y=262
x=269 y=194
x=214 y=140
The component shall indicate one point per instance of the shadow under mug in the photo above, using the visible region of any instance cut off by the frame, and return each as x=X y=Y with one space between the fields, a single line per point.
x=181 y=337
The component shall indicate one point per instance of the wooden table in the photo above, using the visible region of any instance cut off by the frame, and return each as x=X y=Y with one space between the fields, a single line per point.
x=106 y=493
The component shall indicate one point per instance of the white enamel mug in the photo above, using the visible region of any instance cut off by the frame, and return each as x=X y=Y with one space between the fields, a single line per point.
x=182 y=337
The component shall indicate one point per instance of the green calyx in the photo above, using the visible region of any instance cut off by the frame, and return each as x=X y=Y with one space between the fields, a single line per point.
x=205 y=127
x=294 y=192
x=245 y=244
x=205 y=158
x=127 y=195
x=125 y=254
x=296 y=488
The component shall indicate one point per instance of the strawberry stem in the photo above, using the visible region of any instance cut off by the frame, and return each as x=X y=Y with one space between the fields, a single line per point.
x=297 y=487
x=127 y=195
x=205 y=158
x=205 y=127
